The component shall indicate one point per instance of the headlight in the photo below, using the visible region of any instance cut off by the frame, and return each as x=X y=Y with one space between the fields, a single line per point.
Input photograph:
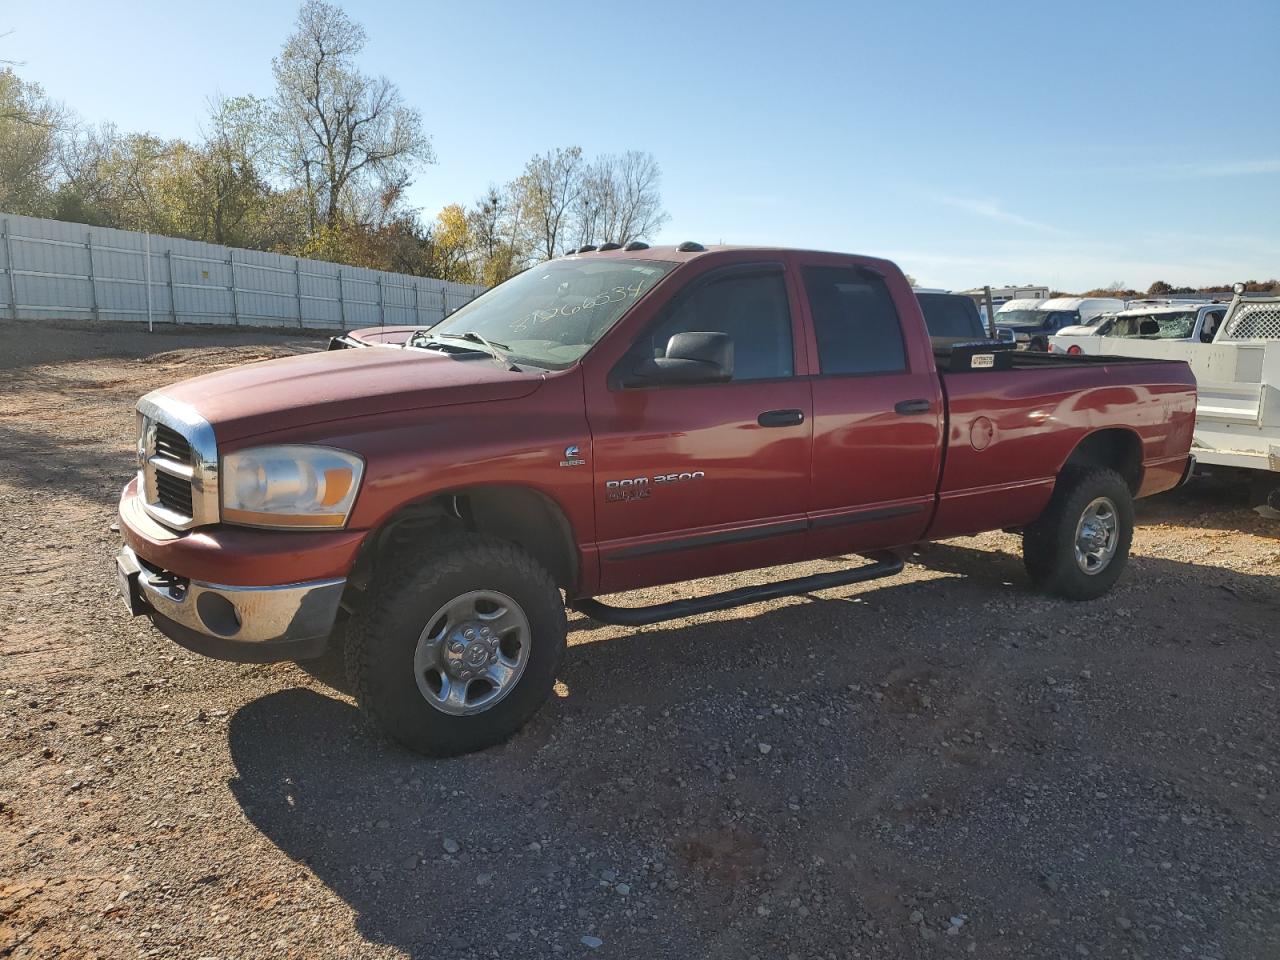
x=292 y=486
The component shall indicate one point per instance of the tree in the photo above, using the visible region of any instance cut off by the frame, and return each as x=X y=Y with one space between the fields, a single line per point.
x=30 y=125
x=113 y=180
x=618 y=199
x=229 y=190
x=1159 y=289
x=632 y=202
x=451 y=245
x=346 y=138
x=545 y=197
x=493 y=230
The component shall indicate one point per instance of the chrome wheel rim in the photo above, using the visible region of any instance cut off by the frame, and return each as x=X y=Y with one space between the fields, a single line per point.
x=1097 y=535
x=472 y=652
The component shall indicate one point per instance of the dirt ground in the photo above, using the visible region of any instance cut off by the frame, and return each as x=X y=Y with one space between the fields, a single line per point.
x=941 y=764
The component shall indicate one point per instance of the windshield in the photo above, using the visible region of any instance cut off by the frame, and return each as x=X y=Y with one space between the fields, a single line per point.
x=1153 y=326
x=551 y=314
x=1019 y=318
x=1040 y=319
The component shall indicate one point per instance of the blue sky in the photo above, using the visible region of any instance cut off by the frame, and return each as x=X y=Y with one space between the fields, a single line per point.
x=1071 y=144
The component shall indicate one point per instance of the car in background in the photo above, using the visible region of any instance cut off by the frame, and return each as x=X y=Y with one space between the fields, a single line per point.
x=1184 y=322
x=1032 y=328
x=1023 y=304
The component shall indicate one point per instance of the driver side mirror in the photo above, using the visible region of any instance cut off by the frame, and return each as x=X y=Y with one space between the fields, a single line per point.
x=697 y=357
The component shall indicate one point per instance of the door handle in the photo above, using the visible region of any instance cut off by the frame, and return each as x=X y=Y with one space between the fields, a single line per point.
x=781 y=418
x=908 y=407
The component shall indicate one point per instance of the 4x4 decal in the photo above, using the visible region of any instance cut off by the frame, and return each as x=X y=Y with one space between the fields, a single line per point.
x=638 y=488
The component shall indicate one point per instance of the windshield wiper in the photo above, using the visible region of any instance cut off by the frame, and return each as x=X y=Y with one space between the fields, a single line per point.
x=499 y=351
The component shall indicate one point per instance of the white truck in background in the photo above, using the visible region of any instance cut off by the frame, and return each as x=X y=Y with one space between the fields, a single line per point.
x=1182 y=321
x=1238 y=389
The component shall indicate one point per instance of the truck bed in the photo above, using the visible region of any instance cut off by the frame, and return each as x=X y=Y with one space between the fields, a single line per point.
x=1035 y=360
x=1008 y=432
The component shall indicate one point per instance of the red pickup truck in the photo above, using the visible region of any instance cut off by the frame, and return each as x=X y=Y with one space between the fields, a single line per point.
x=609 y=420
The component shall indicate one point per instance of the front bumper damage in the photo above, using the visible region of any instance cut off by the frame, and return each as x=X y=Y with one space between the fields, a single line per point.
x=245 y=624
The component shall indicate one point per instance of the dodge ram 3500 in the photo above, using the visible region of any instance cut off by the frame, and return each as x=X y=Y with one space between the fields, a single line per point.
x=608 y=420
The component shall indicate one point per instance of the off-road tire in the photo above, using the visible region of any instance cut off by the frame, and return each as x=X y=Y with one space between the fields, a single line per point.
x=1048 y=544
x=383 y=634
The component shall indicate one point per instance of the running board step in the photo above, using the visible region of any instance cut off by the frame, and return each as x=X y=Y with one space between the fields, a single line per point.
x=886 y=566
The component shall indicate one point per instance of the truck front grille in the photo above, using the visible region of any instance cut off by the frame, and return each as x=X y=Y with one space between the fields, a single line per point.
x=179 y=464
x=171 y=445
x=174 y=493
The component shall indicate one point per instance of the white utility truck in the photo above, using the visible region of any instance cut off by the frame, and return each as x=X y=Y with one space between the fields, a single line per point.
x=1238 y=388
x=1181 y=321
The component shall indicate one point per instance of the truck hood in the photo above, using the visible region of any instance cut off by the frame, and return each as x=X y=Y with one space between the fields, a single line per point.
x=316 y=388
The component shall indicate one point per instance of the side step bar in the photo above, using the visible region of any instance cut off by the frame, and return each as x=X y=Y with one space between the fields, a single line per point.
x=885 y=566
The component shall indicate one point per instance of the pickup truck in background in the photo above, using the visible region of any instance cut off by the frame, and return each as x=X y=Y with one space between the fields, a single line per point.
x=1031 y=328
x=1238 y=375
x=1168 y=322
x=602 y=422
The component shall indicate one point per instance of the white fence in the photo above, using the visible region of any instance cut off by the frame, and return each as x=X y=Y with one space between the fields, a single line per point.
x=51 y=269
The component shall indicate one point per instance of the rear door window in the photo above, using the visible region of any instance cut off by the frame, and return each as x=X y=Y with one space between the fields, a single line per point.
x=855 y=321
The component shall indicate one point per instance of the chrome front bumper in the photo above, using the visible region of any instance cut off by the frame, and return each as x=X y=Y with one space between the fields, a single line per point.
x=248 y=624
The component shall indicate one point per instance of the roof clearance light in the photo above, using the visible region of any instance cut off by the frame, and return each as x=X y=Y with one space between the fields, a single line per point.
x=636 y=245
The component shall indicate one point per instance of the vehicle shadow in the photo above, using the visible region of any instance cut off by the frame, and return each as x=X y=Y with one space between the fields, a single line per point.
x=631 y=768
x=1208 y=503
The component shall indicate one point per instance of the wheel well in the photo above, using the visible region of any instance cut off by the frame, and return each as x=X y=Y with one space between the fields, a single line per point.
x=1117 y=448
x=522 y=516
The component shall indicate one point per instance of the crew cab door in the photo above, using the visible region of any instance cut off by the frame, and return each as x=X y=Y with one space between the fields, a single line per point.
x=700 y=479
x=877 y=407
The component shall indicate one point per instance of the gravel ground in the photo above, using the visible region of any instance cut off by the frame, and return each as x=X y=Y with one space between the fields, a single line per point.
x=941 y=764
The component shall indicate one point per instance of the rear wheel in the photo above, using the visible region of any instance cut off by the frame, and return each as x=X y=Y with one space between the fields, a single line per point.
x=455 y=652
x=1078 y=547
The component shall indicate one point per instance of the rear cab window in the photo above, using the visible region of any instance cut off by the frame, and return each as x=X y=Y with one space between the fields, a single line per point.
x=951 y=315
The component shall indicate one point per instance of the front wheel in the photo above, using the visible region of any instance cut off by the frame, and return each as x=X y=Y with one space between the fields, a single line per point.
x=1078 y=547
x=458 y=648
